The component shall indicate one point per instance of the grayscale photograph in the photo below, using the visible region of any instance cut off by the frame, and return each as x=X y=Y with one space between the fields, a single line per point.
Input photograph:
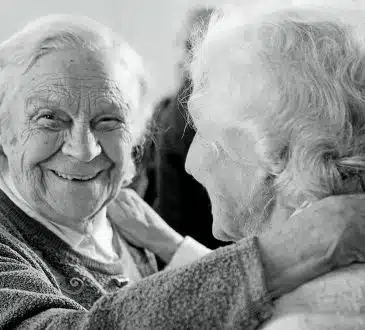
x=182 y=164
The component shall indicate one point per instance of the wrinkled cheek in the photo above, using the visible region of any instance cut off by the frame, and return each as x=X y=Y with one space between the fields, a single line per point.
x=223 y=180
x=32 y=148
x=116 y=148
x=41 y=146
x=120 y=153
x=9 y=142
x=28 y=152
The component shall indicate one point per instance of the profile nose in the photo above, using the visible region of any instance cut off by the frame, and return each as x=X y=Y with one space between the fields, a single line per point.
x=191 y=158
x=82 y=144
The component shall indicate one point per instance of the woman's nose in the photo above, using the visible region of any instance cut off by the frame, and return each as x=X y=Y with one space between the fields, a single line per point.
x=81 y=144
x=191 y=165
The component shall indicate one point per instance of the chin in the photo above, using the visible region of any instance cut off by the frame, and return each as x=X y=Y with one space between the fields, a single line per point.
x=221 y=235
x=223 y=228
x=232 y=227
x=70 y=210
x=70 y=214
x=77 y=214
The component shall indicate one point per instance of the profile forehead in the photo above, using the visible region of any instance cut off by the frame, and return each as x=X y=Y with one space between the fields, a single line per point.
x=212 y=108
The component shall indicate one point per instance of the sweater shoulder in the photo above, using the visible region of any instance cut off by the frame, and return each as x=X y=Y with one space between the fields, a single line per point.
x=13 y=247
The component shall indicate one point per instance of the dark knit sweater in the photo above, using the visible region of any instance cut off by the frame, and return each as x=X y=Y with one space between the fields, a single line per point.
x=45 y=284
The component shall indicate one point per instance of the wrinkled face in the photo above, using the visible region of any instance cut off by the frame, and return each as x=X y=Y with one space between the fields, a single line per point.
x=67 y=141
x=222 y=158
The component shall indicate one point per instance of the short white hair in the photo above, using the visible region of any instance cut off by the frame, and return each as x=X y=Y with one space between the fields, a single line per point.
x=67 y=32
x=296 y=76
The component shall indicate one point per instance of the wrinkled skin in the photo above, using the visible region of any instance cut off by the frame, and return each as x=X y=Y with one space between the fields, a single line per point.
x=222 y=158
x=70 y=113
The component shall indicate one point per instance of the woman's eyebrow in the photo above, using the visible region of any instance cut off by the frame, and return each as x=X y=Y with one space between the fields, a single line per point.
x=111 y=111
x=115 y=106
x=46 y=100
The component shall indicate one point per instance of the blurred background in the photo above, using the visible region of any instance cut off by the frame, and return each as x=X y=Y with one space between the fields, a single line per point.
x=151 y=26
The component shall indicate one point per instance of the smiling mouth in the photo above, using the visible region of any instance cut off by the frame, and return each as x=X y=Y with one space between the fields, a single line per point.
x=75 y=177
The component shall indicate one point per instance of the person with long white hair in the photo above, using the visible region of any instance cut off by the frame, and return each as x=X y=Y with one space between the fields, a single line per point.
x=278 y=103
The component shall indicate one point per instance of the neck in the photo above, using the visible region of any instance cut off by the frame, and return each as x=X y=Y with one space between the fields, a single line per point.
x=84 y=226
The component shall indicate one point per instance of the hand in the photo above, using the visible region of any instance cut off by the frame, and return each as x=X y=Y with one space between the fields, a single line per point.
x=142 y=226
x=329 y=234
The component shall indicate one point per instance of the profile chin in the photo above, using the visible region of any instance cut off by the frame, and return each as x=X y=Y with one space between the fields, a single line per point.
x=220 y=234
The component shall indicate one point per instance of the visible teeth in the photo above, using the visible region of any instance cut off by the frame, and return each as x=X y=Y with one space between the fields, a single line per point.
x=69 y=177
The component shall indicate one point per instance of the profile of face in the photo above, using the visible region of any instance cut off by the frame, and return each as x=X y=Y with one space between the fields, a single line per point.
x=67 y=140
x=223 y=159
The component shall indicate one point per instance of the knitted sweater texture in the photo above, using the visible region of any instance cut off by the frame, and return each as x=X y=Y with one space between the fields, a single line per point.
x=44 y=284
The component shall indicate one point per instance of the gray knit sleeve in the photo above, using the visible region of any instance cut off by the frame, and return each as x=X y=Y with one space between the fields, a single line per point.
x=224 y=290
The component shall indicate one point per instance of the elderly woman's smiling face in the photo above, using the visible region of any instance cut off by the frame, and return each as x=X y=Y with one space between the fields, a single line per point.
x=67 y=141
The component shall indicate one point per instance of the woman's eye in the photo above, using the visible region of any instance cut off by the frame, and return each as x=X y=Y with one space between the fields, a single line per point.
x=50 y=121
x=49 y=117
x=109 y=124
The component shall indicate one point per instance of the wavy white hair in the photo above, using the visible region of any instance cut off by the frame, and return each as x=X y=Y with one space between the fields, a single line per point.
x=296 y=76
x=68 y=32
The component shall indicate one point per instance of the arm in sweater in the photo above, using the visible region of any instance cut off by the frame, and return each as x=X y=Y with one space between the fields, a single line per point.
x=225 y=289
